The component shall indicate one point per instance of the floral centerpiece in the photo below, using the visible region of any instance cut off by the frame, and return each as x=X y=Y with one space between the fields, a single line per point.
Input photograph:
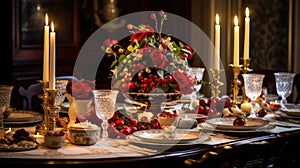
x=152 y=62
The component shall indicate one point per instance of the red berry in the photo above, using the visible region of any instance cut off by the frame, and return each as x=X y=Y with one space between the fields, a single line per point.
x=133 y=121
x=239 y=121
x=202 y=102
x=131 y=86
x=119 y=122
x=262 y=112
x=200 y=109
x=211 y=103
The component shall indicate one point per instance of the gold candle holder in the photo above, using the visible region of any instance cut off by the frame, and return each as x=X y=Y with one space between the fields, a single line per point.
x=245 y=69
x=53 y=110
x=216 y=83
x=236 y=71
x=43 y=126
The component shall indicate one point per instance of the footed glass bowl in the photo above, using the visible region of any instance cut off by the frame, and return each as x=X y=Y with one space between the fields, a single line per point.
x=153 y=101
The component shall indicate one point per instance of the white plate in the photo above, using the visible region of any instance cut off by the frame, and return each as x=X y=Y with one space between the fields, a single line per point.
x=286 y=116
x=164 y=146
x=17 y=148
x=19 y=116
x=227 y=123
x=291 y=111
x=37 y=117
x=158 y=136
x=208 y=127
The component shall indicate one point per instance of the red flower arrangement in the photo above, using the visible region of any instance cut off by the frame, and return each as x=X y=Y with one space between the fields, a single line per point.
x=151 y=60
x=81 y=90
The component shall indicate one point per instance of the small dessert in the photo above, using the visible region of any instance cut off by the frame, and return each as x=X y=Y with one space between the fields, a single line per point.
x=240 y=117
x=239 y=121
x=262 y=112
x=275 y=106
x=168 y=120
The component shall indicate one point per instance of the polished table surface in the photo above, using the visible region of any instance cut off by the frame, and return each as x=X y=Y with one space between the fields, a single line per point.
x=102 y=153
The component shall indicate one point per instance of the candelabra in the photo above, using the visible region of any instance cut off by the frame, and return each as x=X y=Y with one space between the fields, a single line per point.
x=216 y=83
x=43 y=126
x=53 y=110
x=246 y=69
x=236 y=71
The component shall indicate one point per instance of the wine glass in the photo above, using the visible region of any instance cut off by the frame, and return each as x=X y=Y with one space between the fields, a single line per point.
x=60 y=86
x=284 y=86
x=197 y=74
x=105 y=106
x=253 y=87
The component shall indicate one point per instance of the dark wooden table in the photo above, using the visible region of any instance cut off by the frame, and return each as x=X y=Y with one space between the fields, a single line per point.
x=277 y=150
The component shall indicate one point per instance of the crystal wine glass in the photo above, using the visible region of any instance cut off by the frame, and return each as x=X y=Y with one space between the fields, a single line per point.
x=105 y=106
x=60 y=86
x=284 y=86
x=197 y=73
x=253 y=87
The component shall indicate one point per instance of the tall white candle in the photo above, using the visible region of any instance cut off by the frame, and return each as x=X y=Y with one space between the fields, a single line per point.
x=236 y=42
x=217 y=44
x=247 y=35
x=52 y=58
x=46 y=51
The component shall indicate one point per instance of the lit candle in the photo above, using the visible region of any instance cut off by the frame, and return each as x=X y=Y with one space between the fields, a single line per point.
x=46 y=51
x=236 y=42
x=217 y=44
x=247 y=32
x=52 y=58
x=39 y=138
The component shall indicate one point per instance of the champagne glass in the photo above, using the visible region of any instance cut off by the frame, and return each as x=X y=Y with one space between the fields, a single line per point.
x=253 y=87
x=105 y=106
x=284 y=86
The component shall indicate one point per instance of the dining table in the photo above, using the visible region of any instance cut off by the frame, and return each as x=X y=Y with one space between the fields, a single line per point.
x=134 y=151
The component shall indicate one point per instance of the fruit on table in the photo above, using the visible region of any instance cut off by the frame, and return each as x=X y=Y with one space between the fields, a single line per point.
x=262 y=112
x=239 y=121
x=274 y=106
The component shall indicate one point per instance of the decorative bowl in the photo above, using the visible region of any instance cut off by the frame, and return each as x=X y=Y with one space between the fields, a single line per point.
x=54 y=139
x=84 y=133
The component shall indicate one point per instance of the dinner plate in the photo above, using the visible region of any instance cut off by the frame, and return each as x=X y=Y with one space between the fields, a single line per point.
x=37 y=117
x=159 y=136
x=201 y=140
x=17 y=148
x=286 y=116
x=226 y=123
x=211 y=128
x=292 y=111
x=19 y=115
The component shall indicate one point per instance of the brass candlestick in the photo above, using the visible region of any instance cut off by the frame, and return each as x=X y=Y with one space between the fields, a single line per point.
x=236 y=71
x=246 y=69
x=43 y=126
x=53 y=110
x=216 y=83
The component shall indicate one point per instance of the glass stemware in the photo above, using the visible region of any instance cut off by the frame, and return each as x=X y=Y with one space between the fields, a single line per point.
x=284 y=86
x=253 y=87
x=105 y=106
x=60 y=86
x=197 y=74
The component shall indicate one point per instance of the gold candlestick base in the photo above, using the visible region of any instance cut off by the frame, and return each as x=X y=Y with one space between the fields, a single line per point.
x=245 y=70
x=53 y=110
x=43 y=126
x=216 y=83
x=236 y=71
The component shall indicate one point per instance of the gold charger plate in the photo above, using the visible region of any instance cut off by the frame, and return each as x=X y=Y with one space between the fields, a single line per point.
x=36 y=117
x=226 y=123
x=19 y=115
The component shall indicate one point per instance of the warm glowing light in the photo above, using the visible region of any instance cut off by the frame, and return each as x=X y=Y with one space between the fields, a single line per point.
x=236 y=22
x=217 y=19
x=46 y=19
x=247 y=12
x=52 y=26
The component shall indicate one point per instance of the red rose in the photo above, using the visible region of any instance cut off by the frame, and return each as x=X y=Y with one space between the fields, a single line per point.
x=145 y=51
x=108 y=43
x=81 y=89
x=159 y=60
x=184 y=81
x=141 y=34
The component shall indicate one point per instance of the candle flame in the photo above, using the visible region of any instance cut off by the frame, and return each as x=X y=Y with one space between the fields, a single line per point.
x=52 y=26
x=236 y=22
x=37 y=133
x=46 y=19
x=217 y=19
x=247 y=12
